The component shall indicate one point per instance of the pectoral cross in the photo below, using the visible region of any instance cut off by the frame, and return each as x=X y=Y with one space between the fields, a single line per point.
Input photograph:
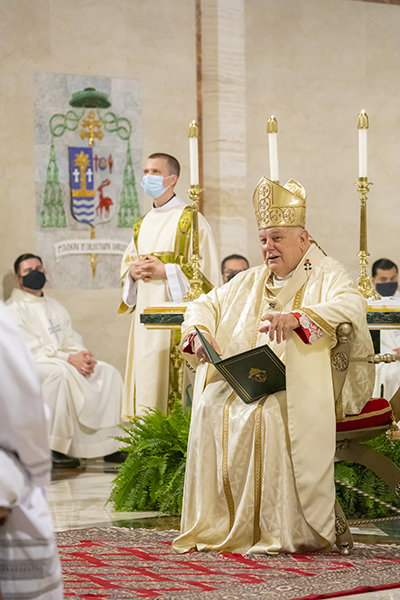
x=307 y=267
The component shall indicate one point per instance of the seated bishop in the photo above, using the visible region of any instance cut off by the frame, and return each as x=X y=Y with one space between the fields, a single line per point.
x=83 y=397
x=259 y=476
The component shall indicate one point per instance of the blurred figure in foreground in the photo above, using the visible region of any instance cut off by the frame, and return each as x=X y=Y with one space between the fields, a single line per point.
x=30 y=567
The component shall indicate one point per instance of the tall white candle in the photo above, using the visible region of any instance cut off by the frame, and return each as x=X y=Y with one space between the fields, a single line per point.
x=272 y=130
x=362 y=125
x=194 y=153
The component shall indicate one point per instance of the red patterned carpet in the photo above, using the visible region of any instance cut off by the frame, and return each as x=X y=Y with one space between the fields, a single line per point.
x=116 y=564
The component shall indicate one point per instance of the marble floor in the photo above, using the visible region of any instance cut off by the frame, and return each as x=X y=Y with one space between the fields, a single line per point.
x=78 y=499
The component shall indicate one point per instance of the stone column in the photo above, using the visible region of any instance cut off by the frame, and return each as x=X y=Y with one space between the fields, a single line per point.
x=224 y=122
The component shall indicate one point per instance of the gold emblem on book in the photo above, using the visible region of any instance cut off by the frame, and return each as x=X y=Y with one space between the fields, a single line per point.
x=258 y=375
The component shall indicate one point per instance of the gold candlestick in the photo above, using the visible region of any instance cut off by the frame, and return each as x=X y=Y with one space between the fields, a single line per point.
x=195 y=290
x=196 y=284
x=364 y=281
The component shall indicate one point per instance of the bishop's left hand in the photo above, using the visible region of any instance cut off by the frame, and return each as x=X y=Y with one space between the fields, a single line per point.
x=278 y=326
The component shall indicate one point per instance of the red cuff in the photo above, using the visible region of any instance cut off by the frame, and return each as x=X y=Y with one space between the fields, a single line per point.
x=304 y=334
x=187 y=346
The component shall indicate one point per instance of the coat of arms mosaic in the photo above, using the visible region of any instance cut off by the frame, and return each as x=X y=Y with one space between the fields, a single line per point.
x=88 y=148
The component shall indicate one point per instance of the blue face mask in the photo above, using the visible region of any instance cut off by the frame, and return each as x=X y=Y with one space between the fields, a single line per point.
x=153 y=185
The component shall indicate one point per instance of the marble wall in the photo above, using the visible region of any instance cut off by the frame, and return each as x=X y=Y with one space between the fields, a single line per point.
x=314 y=64
x=224 y=121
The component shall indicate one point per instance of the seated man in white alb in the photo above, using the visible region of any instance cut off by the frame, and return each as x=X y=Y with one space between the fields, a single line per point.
x=84 y=396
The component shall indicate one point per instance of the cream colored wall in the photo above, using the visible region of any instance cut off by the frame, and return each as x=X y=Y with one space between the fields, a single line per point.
x=315 y=64
x=147 y=40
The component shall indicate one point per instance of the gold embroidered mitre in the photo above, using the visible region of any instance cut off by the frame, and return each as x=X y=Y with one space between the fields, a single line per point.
x=279 y=206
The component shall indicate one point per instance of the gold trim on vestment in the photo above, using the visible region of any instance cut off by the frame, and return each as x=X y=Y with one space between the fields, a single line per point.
x=182 y=240
x=320 y=322
x=260 y=314
x=339 y=408
x=123 y=308
x=165 y=257
x=298 y=299
x=225 y=471
x=366 y=416
x=136 y=229
x=258 y=471
x=312 y=241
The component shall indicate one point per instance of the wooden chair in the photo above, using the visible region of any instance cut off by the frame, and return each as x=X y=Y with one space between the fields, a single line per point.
x=377 y=417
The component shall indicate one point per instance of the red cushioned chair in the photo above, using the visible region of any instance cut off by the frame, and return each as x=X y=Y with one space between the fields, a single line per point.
x=376 y=418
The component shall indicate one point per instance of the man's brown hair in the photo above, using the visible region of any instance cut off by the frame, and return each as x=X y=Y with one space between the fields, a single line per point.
x=173 y=166
x=23 y=257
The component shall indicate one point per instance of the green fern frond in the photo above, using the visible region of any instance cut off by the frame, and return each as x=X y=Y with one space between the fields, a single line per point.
x=152 y=476
x=353 y=504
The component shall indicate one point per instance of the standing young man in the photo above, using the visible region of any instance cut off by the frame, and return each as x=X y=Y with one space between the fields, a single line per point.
x=155 y=269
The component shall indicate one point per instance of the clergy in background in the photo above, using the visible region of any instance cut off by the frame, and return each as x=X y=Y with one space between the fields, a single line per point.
x=259 y=477
x=155 y=269
x=385 y=279
x=232 y=265
x=83 y=396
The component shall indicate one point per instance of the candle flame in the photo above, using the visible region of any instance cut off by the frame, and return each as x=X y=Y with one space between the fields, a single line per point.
x=362 y=120
x=272 y=125
x=193 y=130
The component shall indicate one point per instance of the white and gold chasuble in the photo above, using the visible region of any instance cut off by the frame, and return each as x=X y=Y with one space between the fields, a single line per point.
x=259 y=477
x=147 y=362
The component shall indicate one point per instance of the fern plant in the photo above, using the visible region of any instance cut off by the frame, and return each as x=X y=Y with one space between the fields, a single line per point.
x=353 y=504
x=152 y=476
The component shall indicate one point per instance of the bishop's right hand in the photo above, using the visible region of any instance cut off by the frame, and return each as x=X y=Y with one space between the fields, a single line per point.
x=199 y=350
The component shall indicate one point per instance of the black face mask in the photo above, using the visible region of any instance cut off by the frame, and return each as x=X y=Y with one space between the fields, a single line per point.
x=232 y=274
x=386 y=289
x=35 y=280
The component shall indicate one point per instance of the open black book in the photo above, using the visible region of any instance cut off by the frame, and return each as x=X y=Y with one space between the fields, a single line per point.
x=252 y=374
